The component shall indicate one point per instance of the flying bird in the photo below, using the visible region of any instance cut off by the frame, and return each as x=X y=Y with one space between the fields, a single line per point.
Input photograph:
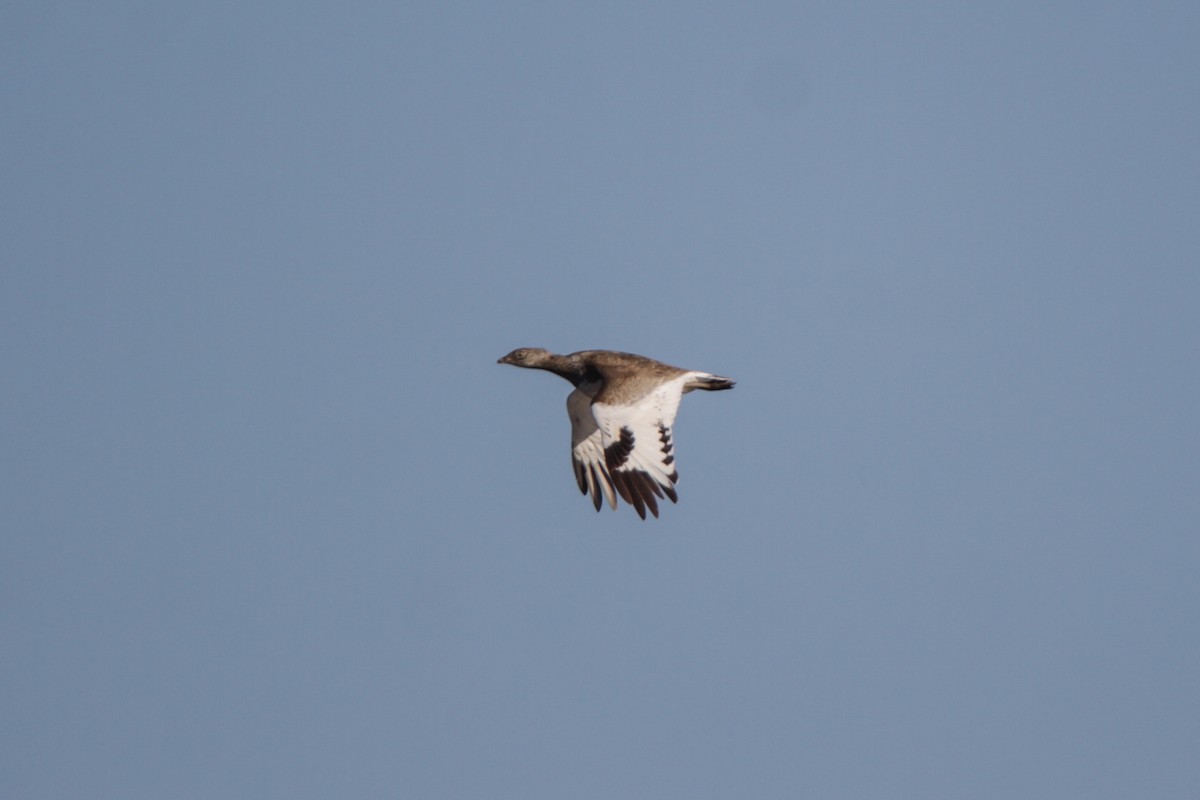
x=621 y=414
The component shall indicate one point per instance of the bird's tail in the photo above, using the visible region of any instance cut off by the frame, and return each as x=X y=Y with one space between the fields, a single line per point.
x=707 y=382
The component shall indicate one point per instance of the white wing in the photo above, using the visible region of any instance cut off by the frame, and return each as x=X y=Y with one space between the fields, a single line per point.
x=638 y=447
x=587 y=452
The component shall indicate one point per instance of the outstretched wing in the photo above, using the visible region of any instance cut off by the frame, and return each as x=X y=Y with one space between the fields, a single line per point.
x=638 y=447
x=587 y=452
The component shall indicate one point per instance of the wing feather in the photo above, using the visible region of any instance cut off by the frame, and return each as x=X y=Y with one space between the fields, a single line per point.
x=637 y=446
x=587 y=451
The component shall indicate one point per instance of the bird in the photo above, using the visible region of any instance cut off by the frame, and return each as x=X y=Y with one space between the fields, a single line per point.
x=621 y=411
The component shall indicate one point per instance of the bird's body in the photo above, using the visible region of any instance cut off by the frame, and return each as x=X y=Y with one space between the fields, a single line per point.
x=621 y=414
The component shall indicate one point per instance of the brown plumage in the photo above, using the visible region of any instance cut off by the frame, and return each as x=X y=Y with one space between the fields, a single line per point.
x=621 y=411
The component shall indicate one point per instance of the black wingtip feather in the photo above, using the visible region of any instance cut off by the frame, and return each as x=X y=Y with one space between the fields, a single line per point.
x=597 y=500
x=648 y=488
x=630 y=492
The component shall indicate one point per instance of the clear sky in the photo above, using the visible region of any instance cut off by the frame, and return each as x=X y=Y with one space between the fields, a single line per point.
x=276 y=525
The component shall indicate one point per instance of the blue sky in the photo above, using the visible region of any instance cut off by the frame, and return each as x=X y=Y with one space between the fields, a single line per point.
x=277 y=525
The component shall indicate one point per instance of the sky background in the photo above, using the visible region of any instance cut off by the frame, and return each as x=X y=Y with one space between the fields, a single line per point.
x=276 y=525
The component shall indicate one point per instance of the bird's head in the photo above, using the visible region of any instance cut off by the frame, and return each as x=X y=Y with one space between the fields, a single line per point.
x=526 y=357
